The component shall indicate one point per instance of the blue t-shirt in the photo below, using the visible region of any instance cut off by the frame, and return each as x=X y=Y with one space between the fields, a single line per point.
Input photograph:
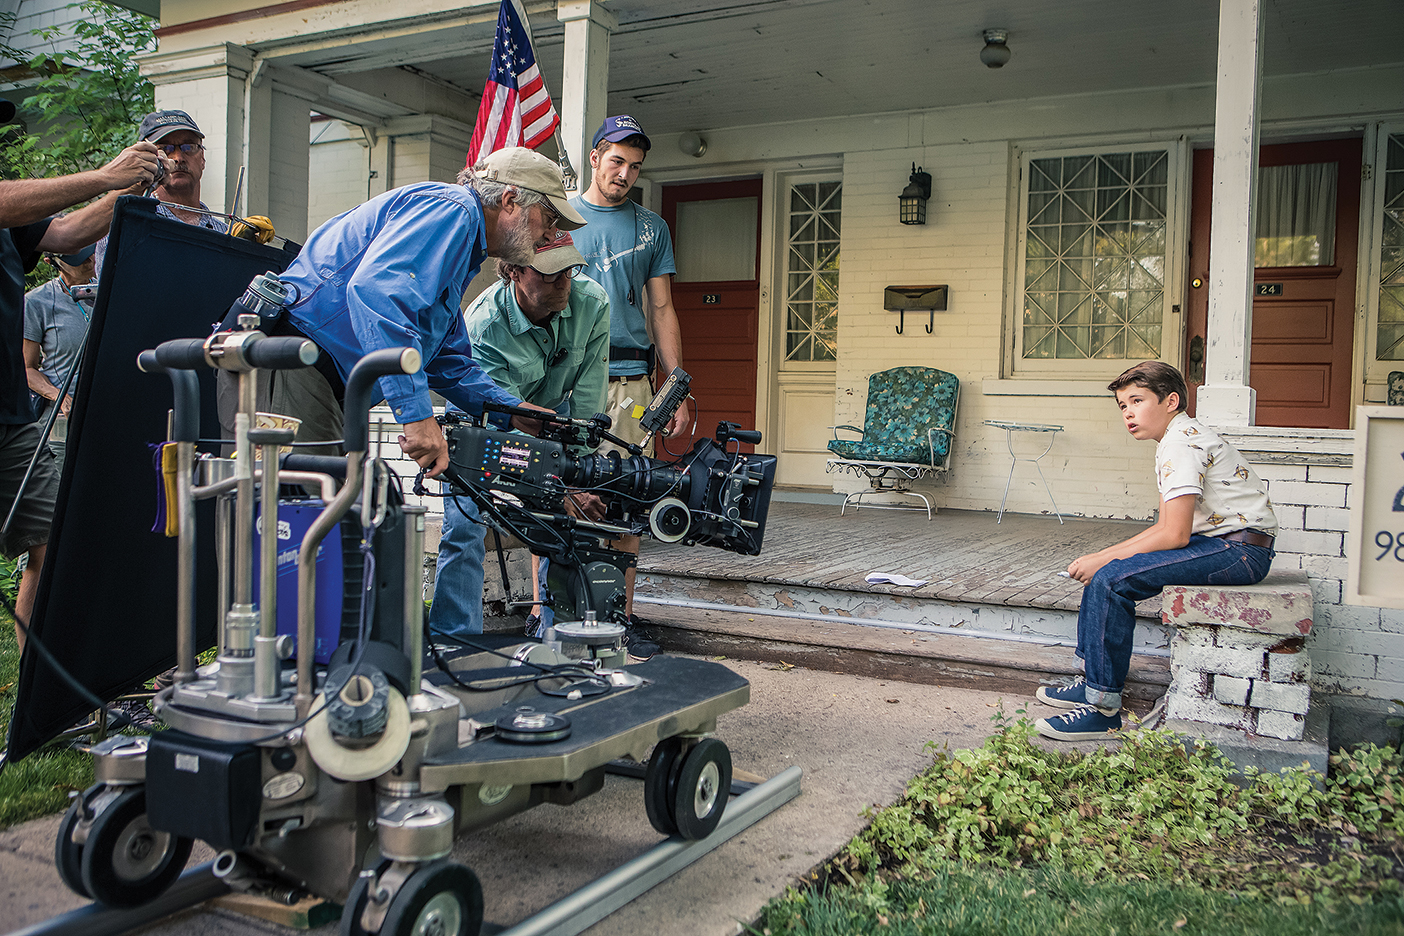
x=625 y=247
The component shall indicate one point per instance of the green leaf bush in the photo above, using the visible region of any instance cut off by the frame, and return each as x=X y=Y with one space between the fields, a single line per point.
x=1153 y=807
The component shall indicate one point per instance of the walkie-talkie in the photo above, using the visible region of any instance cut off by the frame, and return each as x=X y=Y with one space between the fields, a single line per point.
x=665 y=402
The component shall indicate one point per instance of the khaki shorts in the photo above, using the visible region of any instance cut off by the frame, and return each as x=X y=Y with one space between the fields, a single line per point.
x=30 y=527
x=623 y=396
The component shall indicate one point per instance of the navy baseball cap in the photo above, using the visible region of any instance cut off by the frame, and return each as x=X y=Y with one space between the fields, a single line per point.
x=157 y=126
x=619 y=128
x=78 y=257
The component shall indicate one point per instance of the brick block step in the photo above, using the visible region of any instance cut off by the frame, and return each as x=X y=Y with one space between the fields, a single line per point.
x=1279 y=604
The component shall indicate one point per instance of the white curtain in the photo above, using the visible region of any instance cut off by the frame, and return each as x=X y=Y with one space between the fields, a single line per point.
x=1296 y=216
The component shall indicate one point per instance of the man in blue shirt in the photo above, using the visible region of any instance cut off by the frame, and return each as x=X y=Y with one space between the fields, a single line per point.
x=631 y=255
x=390 y=274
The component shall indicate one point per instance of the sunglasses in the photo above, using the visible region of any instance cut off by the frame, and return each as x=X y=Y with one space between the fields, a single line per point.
x=187 y=149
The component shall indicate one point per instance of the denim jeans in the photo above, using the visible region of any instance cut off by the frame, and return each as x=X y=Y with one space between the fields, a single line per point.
x=1106 y=621
x=457 y=610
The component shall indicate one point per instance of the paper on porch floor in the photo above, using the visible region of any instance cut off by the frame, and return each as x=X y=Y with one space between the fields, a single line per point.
x=894 y=578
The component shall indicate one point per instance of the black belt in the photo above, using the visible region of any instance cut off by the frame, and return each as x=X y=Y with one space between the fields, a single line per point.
x=617 y=353
x=614 y=377
x=1251 y=537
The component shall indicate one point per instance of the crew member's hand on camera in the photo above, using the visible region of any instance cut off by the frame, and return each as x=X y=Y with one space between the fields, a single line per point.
x=424 y=442
x=133 y=168
x=588 y=506
x=677 y=426
x=530 y=426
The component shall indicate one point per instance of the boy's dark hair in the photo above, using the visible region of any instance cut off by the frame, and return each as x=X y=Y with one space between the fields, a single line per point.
x=1157 y=377
x=636 y=140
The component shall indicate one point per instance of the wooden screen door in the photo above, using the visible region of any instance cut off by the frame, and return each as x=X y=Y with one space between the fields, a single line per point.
x=716 y=243
x=1304 y=286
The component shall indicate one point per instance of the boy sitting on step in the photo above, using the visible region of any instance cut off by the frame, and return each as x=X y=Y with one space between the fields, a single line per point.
x=1215 y=527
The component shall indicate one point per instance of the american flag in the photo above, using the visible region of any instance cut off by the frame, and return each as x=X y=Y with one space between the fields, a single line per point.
x=516 y=109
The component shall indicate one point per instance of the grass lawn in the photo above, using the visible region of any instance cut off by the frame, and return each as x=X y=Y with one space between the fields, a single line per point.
x=39 y=784
x=1144 y=837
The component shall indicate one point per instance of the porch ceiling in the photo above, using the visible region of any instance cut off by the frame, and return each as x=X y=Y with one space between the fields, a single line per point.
x=740 y=62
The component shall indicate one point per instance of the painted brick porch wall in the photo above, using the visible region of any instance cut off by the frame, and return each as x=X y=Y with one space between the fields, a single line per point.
x=337 y=175
x=1095 y=468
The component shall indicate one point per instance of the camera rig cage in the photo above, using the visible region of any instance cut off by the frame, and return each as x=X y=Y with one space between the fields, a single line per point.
x=524 y=486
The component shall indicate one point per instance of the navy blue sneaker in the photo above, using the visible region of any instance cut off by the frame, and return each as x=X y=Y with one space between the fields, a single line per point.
x=1085 y=724
x=1068 y=697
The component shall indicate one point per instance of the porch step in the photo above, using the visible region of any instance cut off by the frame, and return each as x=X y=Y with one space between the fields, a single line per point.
x=882 y=652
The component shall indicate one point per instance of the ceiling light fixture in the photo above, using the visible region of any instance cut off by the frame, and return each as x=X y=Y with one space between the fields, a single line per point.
x=996 y=52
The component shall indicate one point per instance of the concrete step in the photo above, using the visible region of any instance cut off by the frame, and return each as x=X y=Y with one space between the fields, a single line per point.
x=910 y=654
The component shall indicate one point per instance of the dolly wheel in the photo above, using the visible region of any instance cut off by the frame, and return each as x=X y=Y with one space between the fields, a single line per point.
x=440 y=899
x=704 y=783
x=126 y=863
x=356 y=903
x=68 y=856
x=660 y=784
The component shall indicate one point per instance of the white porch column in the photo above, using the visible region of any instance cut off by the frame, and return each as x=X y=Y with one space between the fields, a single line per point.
x=1226 y=399
x=208 y=84
x=585 y=77
x=277 y=150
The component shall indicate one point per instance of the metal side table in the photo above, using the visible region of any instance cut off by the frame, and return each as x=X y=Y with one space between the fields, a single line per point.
x=1010 y=428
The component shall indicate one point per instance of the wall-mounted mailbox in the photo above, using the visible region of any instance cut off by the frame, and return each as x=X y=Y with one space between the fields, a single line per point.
x=904 y=299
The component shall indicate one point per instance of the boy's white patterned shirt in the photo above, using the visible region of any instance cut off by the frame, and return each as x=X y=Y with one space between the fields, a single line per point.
x=1193 y=459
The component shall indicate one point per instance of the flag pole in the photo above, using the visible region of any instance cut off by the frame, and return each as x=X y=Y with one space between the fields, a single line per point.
x=569 y=180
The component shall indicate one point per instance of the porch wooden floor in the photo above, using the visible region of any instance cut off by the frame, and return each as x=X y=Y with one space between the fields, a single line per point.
x=965 y=555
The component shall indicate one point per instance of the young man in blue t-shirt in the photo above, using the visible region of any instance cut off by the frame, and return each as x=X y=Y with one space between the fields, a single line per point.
x=1215 y=527
x=630 y=254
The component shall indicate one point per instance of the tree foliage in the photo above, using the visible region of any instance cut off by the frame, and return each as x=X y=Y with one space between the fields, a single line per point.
x=88 y=95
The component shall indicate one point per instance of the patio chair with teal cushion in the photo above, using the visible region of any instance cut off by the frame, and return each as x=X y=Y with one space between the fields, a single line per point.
x=906 y=436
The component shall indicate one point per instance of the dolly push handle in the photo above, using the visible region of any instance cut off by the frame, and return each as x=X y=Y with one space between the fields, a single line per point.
x=186 y=387
x=361 y=385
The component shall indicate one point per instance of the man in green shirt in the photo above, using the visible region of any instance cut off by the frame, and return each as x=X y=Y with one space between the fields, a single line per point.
x=541 y=334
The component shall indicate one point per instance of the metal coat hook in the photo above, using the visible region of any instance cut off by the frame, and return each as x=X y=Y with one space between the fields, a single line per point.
x=902 y=317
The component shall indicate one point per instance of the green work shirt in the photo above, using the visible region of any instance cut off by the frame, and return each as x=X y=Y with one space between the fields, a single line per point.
x=517 y=355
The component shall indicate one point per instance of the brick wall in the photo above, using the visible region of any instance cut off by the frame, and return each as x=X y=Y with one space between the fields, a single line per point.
x=1354 y=650
x=336 y=175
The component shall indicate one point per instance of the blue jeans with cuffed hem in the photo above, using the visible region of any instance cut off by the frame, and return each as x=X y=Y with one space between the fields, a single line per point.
x=1106 y=620
x=457 y=610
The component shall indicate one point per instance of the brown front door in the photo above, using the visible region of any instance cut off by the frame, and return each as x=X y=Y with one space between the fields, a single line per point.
x=716 y=243
x=1304 y=289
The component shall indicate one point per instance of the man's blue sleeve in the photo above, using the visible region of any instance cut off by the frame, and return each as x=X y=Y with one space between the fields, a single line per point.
x=402 y=286
x=454 y=374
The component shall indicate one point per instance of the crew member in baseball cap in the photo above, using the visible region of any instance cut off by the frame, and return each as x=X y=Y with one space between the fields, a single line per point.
x=542 y=334
x=156 y=126
x=529 y=170
x=620 y=128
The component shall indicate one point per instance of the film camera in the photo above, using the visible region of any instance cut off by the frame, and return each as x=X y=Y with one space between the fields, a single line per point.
x=713 y=495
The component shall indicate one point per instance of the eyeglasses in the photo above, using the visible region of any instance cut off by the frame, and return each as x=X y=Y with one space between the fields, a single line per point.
x=550 y=215
x=553 y=278
x=187 y=149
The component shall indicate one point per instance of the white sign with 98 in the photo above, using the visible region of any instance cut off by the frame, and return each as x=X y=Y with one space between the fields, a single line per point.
x=1375 y=547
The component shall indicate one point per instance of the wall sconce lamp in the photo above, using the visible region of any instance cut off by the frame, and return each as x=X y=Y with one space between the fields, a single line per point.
x=911 y=204
x=692 y=144
x=996 y=52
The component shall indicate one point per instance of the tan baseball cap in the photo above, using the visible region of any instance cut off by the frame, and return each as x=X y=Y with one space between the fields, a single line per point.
x=527 y=169
x=560 y=254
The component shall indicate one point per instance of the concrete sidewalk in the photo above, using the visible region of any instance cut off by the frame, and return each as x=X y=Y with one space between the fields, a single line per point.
x=859 y=740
